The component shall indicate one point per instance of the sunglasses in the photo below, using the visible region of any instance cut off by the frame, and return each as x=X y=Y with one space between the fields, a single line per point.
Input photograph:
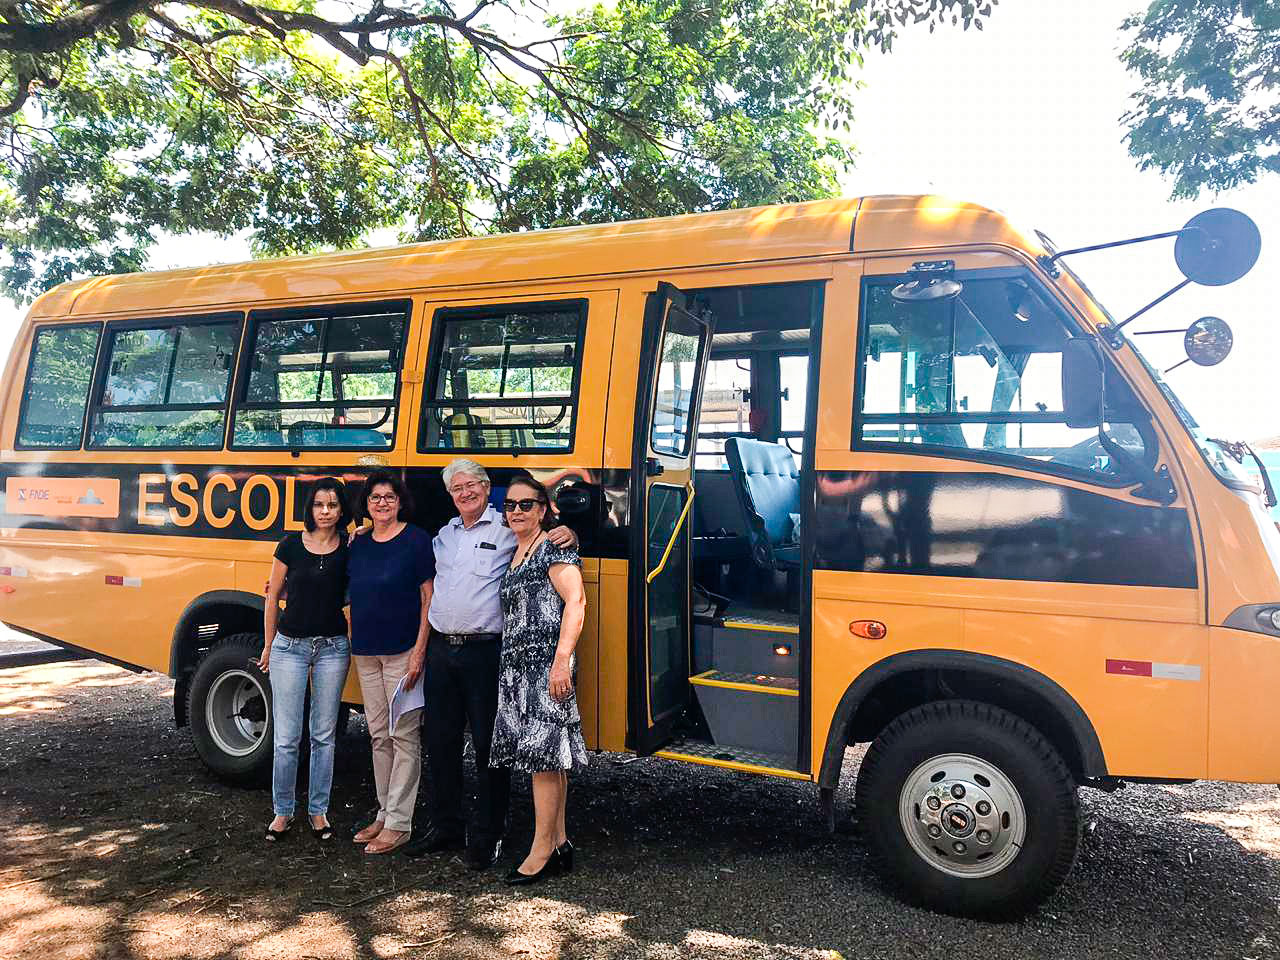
x=524 y=506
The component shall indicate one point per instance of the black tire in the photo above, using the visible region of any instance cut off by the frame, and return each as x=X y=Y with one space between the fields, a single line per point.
x=233 y=733
x=924 y=751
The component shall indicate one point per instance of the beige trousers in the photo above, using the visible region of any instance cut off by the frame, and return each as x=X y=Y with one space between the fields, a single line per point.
x=397 y=754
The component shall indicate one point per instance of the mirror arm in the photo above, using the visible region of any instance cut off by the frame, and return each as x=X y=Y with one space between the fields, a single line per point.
x=1050 y=263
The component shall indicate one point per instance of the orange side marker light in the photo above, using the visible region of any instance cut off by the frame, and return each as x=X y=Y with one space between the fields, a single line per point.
x=7 y=589
x=868 y=629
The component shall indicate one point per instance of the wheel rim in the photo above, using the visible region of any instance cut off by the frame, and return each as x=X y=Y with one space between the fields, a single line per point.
x=235 y=713
x=962 y=815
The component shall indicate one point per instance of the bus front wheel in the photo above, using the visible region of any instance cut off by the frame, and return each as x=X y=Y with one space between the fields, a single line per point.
x=229 y=709
x=966 y=809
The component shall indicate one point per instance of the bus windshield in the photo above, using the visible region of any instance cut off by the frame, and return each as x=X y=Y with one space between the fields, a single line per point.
x=1230 y=470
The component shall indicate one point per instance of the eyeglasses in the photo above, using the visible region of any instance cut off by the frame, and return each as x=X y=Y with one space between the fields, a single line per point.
x=524 y=506
x=469 y=486
x=383 y=498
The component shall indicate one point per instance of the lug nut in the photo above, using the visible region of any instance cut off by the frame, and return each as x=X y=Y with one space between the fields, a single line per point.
x=959 y=847
x=933 y=803
x=935 y=831
x=957 y=791
x=984 y=836
x=983 y=808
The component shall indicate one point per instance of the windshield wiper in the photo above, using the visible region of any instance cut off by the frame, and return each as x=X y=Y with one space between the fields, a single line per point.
x=1237 y=449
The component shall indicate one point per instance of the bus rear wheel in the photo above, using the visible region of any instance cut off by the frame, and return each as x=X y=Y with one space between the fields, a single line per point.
x=966 y=809
x=229 y=709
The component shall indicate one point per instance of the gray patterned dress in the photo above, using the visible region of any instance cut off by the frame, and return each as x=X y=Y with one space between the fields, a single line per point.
x=534 y=732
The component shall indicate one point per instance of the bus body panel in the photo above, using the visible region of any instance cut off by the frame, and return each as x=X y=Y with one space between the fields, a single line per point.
x=1243 y=744
x=815 y=229
x=121 y=604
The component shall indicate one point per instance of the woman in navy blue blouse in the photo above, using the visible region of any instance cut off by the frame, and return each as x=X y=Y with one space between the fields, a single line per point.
x=392 y=568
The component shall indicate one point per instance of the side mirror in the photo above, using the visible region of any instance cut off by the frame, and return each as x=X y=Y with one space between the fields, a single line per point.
x=1082 y=387
x=1217 y=247
x=1208 y=341
x=928 y=280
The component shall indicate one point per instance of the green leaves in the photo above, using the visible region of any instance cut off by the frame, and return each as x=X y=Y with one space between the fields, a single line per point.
x=226 y=116
x=1208 y=112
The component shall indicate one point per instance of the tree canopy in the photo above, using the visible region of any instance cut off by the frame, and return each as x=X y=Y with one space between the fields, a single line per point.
x=120 y=119
x=1208 y=112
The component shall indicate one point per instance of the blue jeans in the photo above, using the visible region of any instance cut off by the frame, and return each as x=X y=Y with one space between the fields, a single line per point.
x=292 y=659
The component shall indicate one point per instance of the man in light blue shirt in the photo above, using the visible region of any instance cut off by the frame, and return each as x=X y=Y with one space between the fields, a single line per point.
x=472 y=552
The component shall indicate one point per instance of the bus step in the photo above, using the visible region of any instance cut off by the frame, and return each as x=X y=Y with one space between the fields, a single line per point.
x=753 y=711
x=732 y=758
x=739 y=617
x=749 y=682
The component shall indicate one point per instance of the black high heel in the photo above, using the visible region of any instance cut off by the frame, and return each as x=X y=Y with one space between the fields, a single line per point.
x=275 y=836
x=322 y=833
x=553 y=866
x=565 y=853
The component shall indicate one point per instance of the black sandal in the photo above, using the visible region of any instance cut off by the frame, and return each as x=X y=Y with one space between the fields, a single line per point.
x=322 y=833
x=272 y=836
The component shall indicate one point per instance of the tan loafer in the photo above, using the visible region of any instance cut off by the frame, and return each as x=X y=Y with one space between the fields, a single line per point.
x=387 y=841
x=369 y=832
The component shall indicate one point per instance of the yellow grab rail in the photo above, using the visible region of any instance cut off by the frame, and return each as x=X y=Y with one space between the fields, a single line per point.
x=674 y=533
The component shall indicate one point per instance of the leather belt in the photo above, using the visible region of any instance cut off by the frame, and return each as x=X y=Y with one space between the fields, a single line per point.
x=458 y=639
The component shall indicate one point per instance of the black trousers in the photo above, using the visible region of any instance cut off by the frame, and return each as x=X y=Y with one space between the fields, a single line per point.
x=461 y=689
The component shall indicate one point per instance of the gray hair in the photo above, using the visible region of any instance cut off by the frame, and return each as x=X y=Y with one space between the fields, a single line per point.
x=463 y=465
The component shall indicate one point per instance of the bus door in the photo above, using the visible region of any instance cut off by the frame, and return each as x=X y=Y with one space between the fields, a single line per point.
x=674 y=352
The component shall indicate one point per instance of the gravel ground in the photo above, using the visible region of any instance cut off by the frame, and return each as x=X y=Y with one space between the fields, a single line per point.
x=114 y=843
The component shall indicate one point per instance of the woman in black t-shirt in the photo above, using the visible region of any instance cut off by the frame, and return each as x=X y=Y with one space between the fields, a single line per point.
x=309 y=638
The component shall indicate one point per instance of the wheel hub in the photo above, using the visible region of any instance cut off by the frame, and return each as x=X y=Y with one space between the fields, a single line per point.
x=962 y=815
x=236 y=712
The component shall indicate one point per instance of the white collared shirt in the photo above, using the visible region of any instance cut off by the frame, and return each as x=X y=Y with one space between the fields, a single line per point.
x=470 y=563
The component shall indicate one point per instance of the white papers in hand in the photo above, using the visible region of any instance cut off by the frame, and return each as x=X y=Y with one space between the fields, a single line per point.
x=406 y=701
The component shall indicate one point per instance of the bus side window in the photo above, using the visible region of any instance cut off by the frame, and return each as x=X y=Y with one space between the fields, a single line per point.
x=321 y=377
x=58 y=380
x=164 y=383
x=979 y=373
x=504 y=377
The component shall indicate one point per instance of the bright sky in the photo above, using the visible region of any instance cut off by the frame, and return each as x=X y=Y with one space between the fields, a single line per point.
x=1024 y=117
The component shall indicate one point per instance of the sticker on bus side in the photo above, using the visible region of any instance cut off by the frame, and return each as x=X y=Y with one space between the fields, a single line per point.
x=63 y=496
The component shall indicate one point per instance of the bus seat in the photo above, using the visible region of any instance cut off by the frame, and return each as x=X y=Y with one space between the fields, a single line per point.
x=465 y=439
x=359 y=437
x=767 y=482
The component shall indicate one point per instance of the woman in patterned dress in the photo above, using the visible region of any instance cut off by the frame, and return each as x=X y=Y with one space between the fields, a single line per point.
x=539 y=729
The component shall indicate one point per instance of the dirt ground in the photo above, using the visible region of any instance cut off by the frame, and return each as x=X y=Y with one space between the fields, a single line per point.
x=115 y=843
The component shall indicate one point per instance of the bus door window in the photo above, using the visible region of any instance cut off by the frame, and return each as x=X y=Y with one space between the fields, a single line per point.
x=324 y=377
x=164 y=383
x=504 y=377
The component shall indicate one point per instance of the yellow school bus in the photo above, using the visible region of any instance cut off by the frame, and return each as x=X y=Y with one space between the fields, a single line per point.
x=873 y=470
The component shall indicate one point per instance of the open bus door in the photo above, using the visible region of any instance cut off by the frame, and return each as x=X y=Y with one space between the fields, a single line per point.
x=673 y=361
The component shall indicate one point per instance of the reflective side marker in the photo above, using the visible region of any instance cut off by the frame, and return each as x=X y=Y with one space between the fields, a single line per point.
x=1158 y=671
x=868 y=629
x=115 y=581
x=13 y=571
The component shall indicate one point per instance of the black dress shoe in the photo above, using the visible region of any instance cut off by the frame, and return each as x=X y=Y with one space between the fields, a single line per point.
x=433 y=841
x=484 y=854
x=565 y=852
x=553 y=866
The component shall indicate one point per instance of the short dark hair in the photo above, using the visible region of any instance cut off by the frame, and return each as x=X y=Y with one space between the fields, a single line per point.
x=339 y=490
x=526 y=480
x=392 y=480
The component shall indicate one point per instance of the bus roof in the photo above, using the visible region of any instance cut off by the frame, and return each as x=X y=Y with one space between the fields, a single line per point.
x=788 y=231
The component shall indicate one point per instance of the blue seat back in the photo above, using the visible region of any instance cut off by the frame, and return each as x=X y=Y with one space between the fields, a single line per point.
x=767 y=482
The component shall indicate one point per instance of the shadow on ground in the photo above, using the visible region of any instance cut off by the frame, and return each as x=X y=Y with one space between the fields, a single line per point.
x=114 y=843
